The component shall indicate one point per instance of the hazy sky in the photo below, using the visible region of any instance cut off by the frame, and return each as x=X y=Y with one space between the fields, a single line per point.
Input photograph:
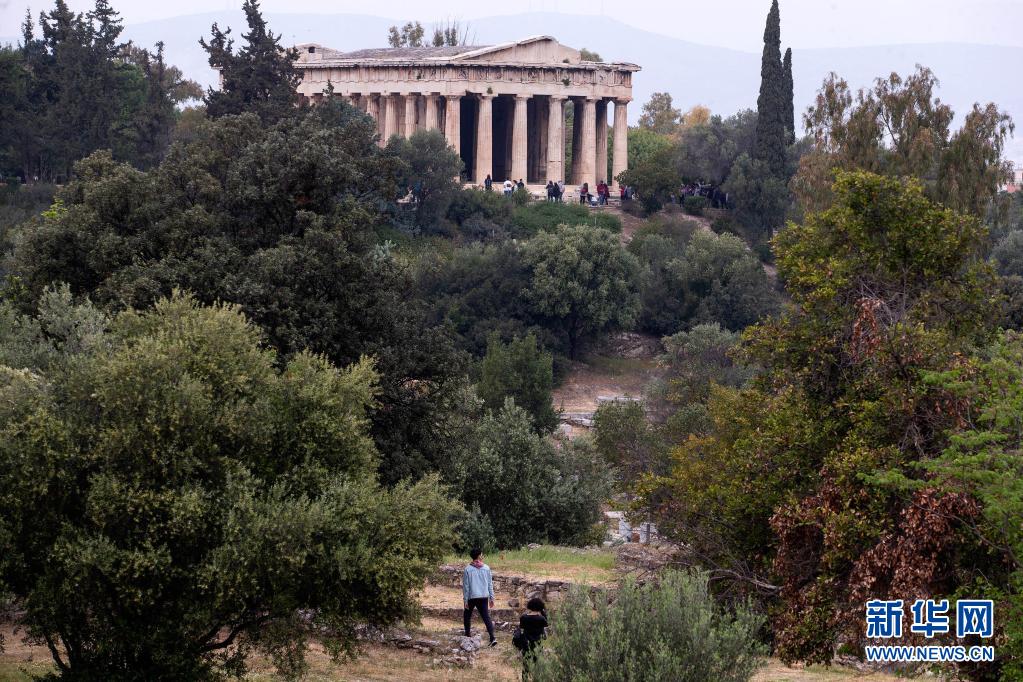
x=729 y=23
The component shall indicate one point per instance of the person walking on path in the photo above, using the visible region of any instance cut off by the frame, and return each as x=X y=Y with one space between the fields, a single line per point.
x=488 y=184
x=478 y=593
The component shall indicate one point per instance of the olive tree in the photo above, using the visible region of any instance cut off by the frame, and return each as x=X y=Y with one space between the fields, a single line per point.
x=174 y=498
x=582 y=282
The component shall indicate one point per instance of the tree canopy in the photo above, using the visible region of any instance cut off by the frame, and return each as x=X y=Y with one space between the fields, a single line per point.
x=175 y=498
x=260 y=77
x=279 y=219
x=77 y=89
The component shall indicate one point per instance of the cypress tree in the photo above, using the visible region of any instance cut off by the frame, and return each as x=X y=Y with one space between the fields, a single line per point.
x=769 y=146
x=261 y=77
x=790 y=114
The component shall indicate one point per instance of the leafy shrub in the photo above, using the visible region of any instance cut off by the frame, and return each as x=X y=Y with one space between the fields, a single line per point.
x=668 y=630
x=519 y=370
x=764 y=252
x=476 y=531
x=694 y=205
x=672 y=226
x=479 y=228
x=626 y=439
x=546 y=216
x=1008 y=254
x=532 y=491
x=490 y=206
x=521 y=196
x=712 y=278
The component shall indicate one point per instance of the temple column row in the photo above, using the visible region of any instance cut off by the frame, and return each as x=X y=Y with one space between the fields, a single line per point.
x=404 y=113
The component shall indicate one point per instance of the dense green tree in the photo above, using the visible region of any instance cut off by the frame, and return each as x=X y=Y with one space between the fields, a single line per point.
x=429 y=173
x=627 y=439
x=711 y=278
x=760 y=197
x=771 y=138
x=643 y=144
x=1008 y=254
x=589 y=56
x=900 y=128
x=695 y=360
x=789 y=116
x=707 y=152
x=655 y=178
x=530 y=490
x=278 y=219
x=481 y=290
x=521 y=371
x=984 y=460
x=886 y=286
x=175 y=499
x=668 y=629
x=261 y=77
x=76 y=89
x=581 y=283
x=659 y=116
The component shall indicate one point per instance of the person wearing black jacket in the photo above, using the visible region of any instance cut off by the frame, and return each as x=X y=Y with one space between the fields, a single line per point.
x=533 y=625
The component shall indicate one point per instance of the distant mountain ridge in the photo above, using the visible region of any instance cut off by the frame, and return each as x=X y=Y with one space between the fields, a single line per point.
x=724 y=79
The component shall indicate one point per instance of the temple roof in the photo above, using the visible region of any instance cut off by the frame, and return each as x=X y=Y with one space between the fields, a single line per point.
x=409 y=53
x=532 y=50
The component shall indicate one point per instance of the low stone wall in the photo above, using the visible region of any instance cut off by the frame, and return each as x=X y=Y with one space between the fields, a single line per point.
x=520 y=589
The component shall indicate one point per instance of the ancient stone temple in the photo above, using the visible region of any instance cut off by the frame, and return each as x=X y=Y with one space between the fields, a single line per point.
x=502 y=107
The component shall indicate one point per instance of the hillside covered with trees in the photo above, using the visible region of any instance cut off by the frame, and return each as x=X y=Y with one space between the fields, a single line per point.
x=252 y=395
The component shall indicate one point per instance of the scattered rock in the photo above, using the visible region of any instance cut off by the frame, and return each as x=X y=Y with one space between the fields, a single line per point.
x=469 y=644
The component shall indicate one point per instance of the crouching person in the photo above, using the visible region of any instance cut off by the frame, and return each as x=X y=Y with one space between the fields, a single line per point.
x=478 y=593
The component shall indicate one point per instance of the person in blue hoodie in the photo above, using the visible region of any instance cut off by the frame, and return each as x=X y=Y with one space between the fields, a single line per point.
x=478 y=593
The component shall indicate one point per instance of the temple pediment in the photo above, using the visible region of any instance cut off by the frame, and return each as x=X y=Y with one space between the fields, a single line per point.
x=536 y=50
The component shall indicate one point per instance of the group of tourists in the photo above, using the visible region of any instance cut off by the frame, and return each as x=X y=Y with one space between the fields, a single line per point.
x=555 y=191
x=603 y=194
x=716 y=198
x=478 y=595
x=509 y=185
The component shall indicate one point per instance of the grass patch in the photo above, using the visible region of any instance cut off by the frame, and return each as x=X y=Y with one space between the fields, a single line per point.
x=615 y=366
x=549 y=561
x=23 y=671
x=546 y=216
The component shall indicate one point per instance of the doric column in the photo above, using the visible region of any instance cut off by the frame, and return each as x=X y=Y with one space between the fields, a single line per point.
x=372 y=106
x=432 y=119
x=588 y=142
x=453 y=121
x=577 y=136
x=390 y=102
x=520 y=147
x=556 y=139
x=485 y=138
x=601 y=109
x=410 y=114
x=621 y=140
